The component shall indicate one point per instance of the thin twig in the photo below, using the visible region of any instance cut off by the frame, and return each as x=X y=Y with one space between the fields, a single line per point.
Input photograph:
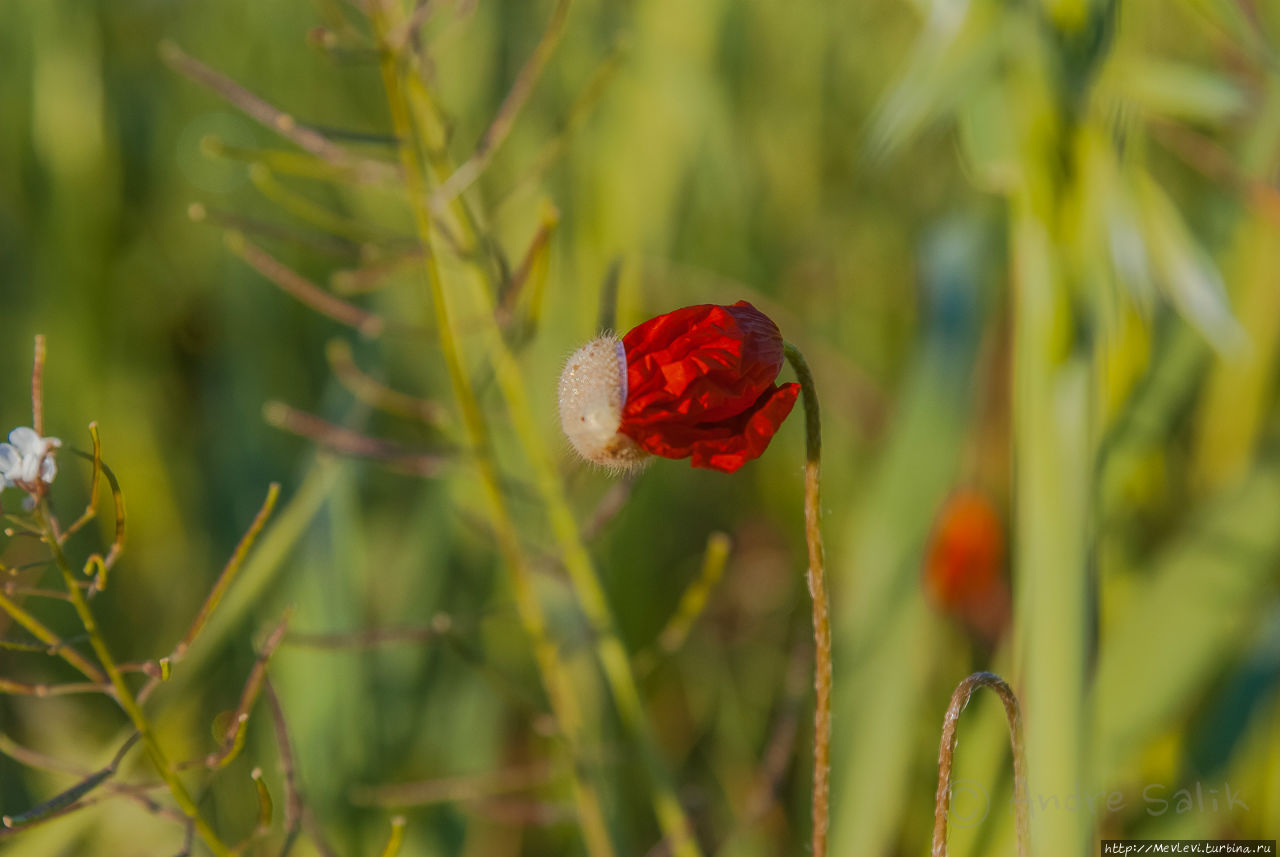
x=946 y=757
x=230 y=570
x=330 y=44
x=459 y=789
x=396 y=838
x=821 y=608
x=55 y=643
x=535 y=259
x=233 y=736
x=292 y=797
x=282 y=123
x=188 y=839
x=312 y=826
x=400 y=34
x=18 y=688
x=441 y=626
x=23 y=646
x=136 y=792
x=37 y=386
x=374 y=393
x=328 y=245
x=371 y=277
x=65 y=800
x=12 y=588
x=297 y=815
x=554 y=148
x=350 y=442
x=303 y=290
x=471 y=169
x=91 y=508
x=522 y=812
x=315 y=214
x=159 y=670
x=117 y=498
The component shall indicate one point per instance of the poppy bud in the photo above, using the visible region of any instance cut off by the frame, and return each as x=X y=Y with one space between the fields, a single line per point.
x=695 y=383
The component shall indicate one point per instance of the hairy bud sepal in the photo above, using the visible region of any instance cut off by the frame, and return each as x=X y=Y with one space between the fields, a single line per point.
x=593 y=389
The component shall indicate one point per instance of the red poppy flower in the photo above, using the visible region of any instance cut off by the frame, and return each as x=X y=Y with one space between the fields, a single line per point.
x=696 y=383
x=964 y=568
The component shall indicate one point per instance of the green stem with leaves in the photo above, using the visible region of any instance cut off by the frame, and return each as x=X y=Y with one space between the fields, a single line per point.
x=555 y=677
x=124 y=695
x=612 y=655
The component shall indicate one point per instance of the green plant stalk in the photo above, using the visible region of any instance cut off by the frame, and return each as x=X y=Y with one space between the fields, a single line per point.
x=822 y=679
x=125 y=697
x=1050 y=420
x=560 y=692
x=612 y=655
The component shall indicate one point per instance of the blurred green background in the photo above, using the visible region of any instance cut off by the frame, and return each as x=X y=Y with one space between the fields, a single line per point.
x=1029 y=247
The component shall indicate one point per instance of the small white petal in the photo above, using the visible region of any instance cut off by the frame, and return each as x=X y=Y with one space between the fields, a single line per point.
x=48 y=470
x=30 y=467
x=10 y=460
x=26 y=440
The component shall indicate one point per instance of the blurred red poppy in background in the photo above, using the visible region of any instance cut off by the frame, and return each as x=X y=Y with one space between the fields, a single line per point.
x=964 y=567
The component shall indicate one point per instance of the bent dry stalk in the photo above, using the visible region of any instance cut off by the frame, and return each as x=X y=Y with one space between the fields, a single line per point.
x=946 y=756
x=821 y=607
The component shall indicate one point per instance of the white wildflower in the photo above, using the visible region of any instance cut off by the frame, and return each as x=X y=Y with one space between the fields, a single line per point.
x=27 y=458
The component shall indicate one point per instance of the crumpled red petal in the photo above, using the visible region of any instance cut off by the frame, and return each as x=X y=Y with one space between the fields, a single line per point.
x=700 y=385
x=700 y=364
x=724 y=445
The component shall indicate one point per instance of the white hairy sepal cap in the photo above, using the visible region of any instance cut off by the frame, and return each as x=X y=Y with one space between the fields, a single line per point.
x=593 y=388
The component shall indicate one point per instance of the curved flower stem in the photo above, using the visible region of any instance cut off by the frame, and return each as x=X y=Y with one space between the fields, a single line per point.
x=946 y=756
x=124 y=695
x=821 y=606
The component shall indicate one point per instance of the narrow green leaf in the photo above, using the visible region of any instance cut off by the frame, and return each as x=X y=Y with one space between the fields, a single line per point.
x=1176 y=90
x=1185 y=270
